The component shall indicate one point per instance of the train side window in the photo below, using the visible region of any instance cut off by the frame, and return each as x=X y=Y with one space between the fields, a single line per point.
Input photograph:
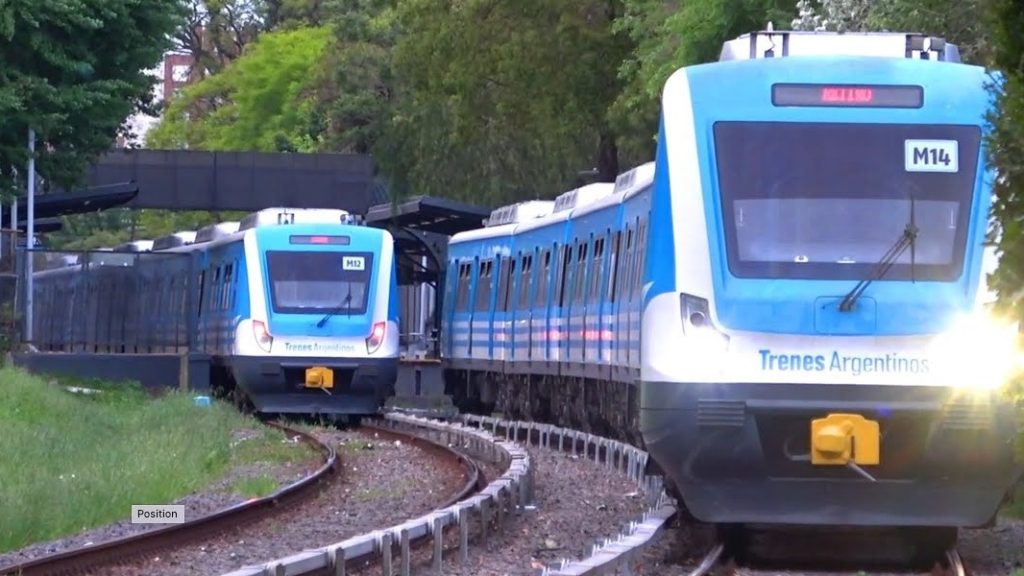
x=226 y=300
x=642 y=256
x=596 y=269
x=635 y=261
x=563 y=280
x=218 y=289
x=524 y=285
x=199 y=299
x=544 y=276
x=508 y=286
x=613 y=265
x=484 y=287
x=462 y=296
x=627 y=266
x=502 y=283
x=581 y=274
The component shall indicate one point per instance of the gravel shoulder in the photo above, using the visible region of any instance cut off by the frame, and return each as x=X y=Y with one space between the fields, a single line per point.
x=225 y=492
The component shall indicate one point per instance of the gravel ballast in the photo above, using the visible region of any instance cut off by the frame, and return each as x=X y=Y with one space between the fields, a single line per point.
x=577 y=504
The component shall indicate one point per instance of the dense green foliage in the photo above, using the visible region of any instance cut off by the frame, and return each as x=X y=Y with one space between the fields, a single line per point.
x=73 y=71
x=261 y=103
x=1006 y=152
x=477 y=100
x=73 y=462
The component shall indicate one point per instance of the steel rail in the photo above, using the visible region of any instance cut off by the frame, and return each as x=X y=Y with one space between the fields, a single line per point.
x=710 y=561
x=956 y=563
x=117 y=550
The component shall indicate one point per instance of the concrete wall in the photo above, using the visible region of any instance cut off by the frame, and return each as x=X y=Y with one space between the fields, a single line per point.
x=186 y=372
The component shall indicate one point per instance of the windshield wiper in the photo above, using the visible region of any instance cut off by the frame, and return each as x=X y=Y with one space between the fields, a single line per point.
x=343 y=306
x=906 y=239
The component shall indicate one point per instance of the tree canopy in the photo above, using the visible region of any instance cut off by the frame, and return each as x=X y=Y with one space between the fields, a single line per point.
x=74 y=71
x=261 y=103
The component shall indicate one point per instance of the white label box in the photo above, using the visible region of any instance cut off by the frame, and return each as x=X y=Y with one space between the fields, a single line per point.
x=158 y=514
x=931 y=156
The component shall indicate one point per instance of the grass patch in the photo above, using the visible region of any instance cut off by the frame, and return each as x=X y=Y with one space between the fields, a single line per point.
x=255 y=487
x=1016 y=508
x=75 y=461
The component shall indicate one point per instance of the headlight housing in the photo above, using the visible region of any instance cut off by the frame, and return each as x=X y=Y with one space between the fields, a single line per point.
x=977 y=353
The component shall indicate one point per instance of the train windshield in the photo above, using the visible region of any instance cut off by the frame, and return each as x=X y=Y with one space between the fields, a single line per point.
x=319 y=282
x=827 y=201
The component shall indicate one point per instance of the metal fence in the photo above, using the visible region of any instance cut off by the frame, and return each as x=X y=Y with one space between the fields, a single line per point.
x=110 y=302
x=9 y=326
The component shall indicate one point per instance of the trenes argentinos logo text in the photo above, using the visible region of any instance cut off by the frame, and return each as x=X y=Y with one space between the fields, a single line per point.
x=890 y=363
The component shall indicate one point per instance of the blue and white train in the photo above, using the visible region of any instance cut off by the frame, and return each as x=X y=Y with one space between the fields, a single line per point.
x=786 y=307
x=296 y=309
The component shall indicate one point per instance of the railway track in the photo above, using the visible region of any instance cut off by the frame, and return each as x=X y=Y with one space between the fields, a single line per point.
x=490 y=505
x=119 y=551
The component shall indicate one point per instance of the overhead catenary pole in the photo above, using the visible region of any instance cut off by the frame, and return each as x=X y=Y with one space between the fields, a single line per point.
x=30 y=232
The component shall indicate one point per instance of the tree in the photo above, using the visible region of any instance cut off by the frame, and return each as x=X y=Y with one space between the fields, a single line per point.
x=357 y=92
x=1006 y=151
x=216 y=32
x=671 y=34
x=261 y=102
x=954 y=20
x=74 y=71
x=1005 y=144
x=499 y=101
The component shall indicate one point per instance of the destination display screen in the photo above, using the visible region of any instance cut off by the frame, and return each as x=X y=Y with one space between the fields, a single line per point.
x=847 y=95
x=301 y=239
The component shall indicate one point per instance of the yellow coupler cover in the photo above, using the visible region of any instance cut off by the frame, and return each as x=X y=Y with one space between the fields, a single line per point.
x=319 y=377
x=839 y=438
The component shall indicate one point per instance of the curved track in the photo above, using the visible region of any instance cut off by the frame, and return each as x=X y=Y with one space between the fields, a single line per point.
x=82 y=560
x=475 y=479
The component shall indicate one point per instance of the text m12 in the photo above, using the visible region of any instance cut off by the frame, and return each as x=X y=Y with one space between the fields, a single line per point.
x=931 y=156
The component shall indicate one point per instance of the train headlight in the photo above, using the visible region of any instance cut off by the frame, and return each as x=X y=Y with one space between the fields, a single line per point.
x=707 y=345
x=262 y=335
x=977 y=353
x=376 y=337
x=695 y=313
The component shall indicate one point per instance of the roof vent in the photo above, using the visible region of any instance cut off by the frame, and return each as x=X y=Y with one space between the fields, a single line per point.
x=790 y=43
x=136 y=246
x=582 y=196
x=281 y=216
x=215 y=231
x=514 y=213
x=174 y=240
x=635 y=179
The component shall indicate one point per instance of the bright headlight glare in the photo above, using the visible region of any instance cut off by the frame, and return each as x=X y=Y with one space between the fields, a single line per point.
x=978 y=352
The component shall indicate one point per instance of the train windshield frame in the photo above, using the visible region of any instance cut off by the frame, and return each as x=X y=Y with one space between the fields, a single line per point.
x=826 y=201
x=318 y=282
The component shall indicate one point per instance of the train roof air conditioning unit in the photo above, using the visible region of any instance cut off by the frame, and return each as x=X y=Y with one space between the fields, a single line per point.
x=793 y=43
